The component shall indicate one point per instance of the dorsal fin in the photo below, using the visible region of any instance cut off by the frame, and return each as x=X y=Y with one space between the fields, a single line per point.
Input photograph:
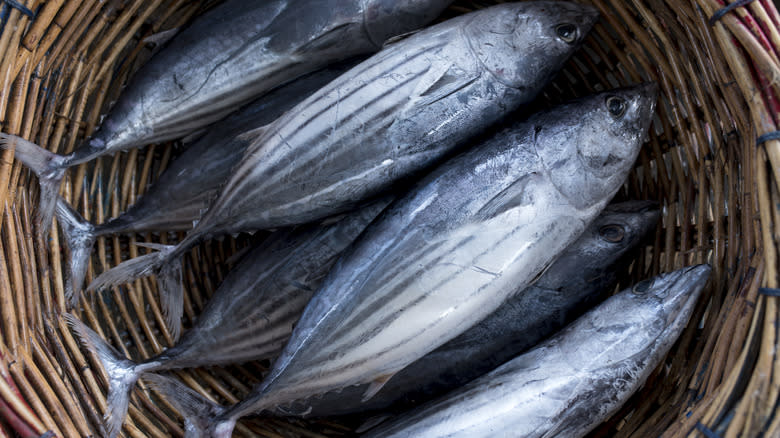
x=392 y=40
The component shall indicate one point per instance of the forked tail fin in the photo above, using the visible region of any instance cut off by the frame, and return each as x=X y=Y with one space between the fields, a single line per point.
x=201 y=416
x=80 y=236
x=166 y=264
x=122 y=374
x=50 y=169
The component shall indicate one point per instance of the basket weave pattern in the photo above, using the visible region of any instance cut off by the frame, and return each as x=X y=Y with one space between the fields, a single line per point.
x=709 y=162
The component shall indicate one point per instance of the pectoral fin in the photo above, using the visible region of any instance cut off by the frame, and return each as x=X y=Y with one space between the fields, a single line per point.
x=161 y=38
x=392 y=40
x=252 y=134
x=442 y=81
x=512 y=196
x=373 y=422
x=330 y=39
x=376 y=385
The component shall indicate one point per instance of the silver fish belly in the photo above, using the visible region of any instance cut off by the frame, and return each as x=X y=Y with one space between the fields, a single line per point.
x=569 y=384
x=251 y=316
x=389 y=117
x=252 y=313
x=448 y=254
x=583 y=273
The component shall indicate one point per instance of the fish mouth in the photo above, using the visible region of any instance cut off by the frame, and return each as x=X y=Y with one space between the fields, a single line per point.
x=687 y=288
x=589 y=15
x=648 y=98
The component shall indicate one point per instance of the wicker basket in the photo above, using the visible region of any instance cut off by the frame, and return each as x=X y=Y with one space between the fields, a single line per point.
x=713 y=162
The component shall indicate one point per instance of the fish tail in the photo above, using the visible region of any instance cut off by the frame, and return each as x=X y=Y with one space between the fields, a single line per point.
x=202 y=417
x=80 y=236
x=122 y=374
x=169 y=281
x=166 y=264
x=50 y=169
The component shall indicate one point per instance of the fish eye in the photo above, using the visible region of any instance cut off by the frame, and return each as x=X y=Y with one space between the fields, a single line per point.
x=642 y=287
x=612 y=233
x=616 y=106
x=567 y=32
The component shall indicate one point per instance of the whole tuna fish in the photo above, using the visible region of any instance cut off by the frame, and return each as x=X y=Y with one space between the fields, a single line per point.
x=250 y=316
x=393 y=115
x=452 y=251
x=177 y=199
x=583 y=273
x=227 y=57
x=569 y=384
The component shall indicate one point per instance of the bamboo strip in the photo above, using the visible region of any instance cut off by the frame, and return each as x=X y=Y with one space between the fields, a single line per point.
x=32 y=397
x=87 y=406
x=46 y=393
x=16 y=281
x=60 y=393
x=699 y=164
x=19 y=408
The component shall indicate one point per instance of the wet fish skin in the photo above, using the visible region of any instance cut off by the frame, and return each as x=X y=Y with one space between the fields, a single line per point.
x=177 y=199
x=252 y=313
x=583 y=274
x=433 y=90
x=388 y=118
x=452 y=251
x=252 y=47
x=184 y=191
x=571 y=383
x=266 y=293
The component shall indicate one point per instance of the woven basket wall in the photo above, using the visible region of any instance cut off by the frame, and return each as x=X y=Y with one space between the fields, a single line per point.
x=63 y=61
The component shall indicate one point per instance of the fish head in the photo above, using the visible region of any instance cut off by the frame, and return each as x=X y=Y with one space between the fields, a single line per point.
x=676 y=292
x=594 y=261
x=589 y=146
x=641 y=323
x=621 y=227
x=385 y=19
x=659 y=308
x=524 y=44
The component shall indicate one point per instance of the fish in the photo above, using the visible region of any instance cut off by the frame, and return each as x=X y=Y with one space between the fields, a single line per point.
x=227 y=57
x=451 y=251
x=177 y=199
x=582 y=275
x=389 y=118
x=266 y=293
x=571 y=383
x=250 y=316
